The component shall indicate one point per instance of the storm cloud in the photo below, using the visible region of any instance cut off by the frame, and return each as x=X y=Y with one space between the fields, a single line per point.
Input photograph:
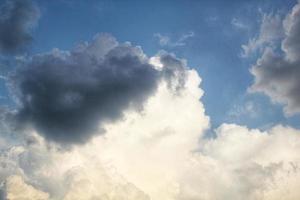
x=68 y=95
x=161 y=154
x=16 y=20
x=277 y=71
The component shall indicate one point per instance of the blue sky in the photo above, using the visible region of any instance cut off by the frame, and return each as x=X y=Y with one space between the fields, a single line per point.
x=219 y=29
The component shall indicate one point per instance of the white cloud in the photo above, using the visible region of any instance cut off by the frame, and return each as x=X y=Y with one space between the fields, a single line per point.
x=165 y=40
x=249 y=108
x=235 y=22
x=160 y=154
x=17 y=189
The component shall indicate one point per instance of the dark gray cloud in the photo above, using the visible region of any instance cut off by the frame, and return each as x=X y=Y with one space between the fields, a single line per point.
x=291 y=44
x=67 y=96
x=16 y=19
x=277 y=74
x=2 y=194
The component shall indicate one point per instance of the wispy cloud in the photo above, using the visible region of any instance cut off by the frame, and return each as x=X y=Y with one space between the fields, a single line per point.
x=248 y=109
x=165 y=40
x=235 y=22
x=3 y=77
x=270 y=32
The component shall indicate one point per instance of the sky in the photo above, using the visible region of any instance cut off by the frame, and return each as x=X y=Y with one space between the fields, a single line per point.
x=172 y=99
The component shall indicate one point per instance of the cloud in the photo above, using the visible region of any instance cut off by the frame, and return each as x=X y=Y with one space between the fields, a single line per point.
x=271 y=31
x=291 y=43
x=253 y=162
x=17 y=189
x=16 y=20
x=155 y=123
x=166 y=40
x=248 y=108
x=160 y=152
x=235 y=22
x=100 y=168
x=276 y=71
x=67 y=96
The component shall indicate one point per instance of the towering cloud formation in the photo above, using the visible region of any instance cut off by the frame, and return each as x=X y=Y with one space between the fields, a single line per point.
x=154 y=147
x=67 y=96
x=159 y=153
x=16 y=19
x=277 y=72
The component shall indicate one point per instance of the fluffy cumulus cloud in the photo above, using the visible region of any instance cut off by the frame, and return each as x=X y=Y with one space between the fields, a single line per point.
x=157 y=152
x=16 y=188
x=277 y=70
x=68 y=95
x=17 y=17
